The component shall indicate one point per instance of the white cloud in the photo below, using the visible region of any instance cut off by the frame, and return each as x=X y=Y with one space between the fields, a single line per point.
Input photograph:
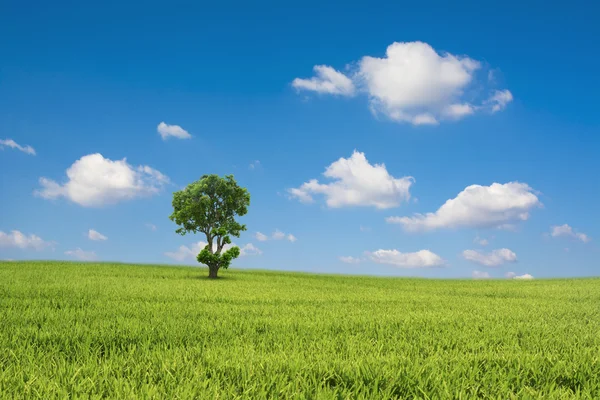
x=365 y=229
x=81 y=254
x=249 y=250
x=566 y=230
x=95 y=235
x=458 y=111
x=481 y=241
x=302 y=193
x=349 y=260
x=523 y=277
x=166 y=131
x=255 y=164
x=152 y=227
x=500 y=99
x=185 y=253
x=327 y=80
x=413 y=83
x=357 y=183
x=510 y=275
x=419 y=259
x=278 y=235
x=159 y=177
x=95 y=181
x=261 y=237
x=24 y=242
x=494 y=206
x=14 y=145
x=419 y=119
x=480 y=275
x=492 y=259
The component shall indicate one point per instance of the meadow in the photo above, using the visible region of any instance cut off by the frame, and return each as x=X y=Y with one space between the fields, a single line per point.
x=79 y=330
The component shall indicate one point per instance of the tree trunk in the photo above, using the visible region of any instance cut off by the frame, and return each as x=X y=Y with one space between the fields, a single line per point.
x=212 y=272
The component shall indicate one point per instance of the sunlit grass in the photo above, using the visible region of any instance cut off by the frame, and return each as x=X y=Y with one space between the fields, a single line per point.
x=125 y=331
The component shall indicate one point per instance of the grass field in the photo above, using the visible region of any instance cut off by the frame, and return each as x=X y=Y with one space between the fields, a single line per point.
x=131 y=331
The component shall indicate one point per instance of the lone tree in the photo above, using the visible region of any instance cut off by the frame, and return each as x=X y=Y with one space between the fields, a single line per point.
x=210 y=205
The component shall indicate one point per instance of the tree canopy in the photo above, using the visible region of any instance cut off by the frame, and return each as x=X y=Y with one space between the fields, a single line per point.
x=210 y=206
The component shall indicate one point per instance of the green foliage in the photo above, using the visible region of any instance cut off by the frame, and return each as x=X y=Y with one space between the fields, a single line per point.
x=72 y=330
x=222 y=260
x=210 y=206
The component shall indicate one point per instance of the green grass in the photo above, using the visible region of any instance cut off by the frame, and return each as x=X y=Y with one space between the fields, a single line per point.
x=71 y=330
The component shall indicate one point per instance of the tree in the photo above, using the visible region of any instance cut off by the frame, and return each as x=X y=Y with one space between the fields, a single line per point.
x=210 y=206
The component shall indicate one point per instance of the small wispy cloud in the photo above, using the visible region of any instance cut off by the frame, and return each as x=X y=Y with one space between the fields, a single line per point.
x=95 y=235
x=261 y=237
x=492 y=259
x=14 y=145
x=277 y=235
x=566 y=230
x=82 y=254
x=165 y=131
x=349 y=260
x=481 y=275
x=419 y=259
x=481 y=241
x=523 y=277
x=254 y=164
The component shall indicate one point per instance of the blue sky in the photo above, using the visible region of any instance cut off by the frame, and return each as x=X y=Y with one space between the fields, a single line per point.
x=465 y=95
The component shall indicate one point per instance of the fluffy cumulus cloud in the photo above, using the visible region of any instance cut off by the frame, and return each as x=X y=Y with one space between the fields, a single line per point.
x=21 y=241
x=480 y=275
x=14 y=145
x=494 y=206
x=95 y=181
x=413 y=83
x=326 y=80
x=349 y=260
x=185 y=253
x=355 y=182
x=492 y=259
x=166 y=131
x=82 y=254
x=568 y=231
x=419 y=259
x=95 y=235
